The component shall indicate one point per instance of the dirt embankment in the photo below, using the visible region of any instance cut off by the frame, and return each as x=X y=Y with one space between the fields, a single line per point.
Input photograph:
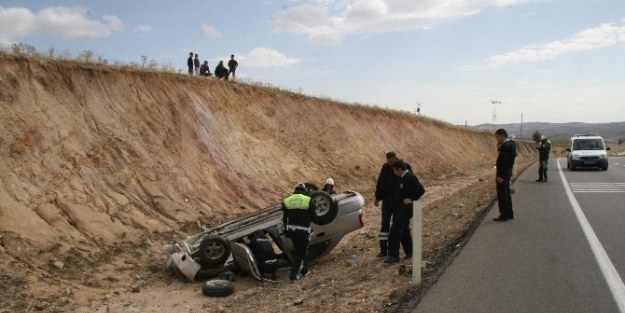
x=101 y=166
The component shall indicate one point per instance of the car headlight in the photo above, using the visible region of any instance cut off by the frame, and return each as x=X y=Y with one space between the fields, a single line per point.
x=575 y=156
x=603 y=156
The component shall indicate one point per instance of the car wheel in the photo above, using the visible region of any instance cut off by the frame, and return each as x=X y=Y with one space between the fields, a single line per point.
x=324 y=207
x=605 y=168
x=214 y=251
x=218 y=288
x=310 y=187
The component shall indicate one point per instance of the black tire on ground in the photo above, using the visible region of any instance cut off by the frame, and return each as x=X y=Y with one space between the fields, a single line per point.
x=605 y=168
x=214 y=251
x=218 y=288
x=324 y=207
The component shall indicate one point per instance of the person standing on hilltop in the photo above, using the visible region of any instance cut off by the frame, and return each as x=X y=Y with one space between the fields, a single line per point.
x=232 y=65
x=506 y=153
x=190 y=63
x=384 y=191
x=221 y=71
x=196 y=63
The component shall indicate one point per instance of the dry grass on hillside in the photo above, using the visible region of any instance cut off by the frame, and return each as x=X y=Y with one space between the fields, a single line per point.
x=102 y=166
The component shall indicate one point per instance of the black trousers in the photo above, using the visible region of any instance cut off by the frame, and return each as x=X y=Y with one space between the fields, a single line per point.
x=268 y=263
x=542 y=169
x=300 y=239
x=387 y=213
x=504 y=199
x=400 y=231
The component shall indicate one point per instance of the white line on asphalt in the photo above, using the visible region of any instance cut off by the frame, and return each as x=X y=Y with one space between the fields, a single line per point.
x=607 y=268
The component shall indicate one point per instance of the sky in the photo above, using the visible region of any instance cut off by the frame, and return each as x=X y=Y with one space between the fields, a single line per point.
x=461 y=61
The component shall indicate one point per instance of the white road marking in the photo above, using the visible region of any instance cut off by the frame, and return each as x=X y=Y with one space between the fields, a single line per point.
x=607 y=268
x=597 y=187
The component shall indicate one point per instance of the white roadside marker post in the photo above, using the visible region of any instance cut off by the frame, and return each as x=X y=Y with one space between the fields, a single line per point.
x=417 y=238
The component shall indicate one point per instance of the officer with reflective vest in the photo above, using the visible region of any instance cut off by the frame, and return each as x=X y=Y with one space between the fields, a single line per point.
x=543 y=158
x=296 y=219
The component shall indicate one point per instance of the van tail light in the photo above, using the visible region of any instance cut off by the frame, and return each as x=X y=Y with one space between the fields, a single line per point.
x=361 y=218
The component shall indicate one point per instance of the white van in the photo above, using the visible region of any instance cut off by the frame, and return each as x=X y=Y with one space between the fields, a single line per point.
x=587 y=150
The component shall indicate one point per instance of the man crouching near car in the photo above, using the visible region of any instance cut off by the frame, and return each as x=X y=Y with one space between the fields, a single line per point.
x=296 y=219
x=264 y=254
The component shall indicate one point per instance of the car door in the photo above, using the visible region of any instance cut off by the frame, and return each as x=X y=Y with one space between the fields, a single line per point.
x=245 y=260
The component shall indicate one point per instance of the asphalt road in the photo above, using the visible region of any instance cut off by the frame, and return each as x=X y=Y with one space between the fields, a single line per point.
x=563 y=252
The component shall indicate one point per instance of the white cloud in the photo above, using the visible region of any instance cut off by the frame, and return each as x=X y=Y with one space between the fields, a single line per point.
x=593 y=38
x=350 y=17
x=265 y=57
x=209 y=31
x=56 y=21
x=144 y=29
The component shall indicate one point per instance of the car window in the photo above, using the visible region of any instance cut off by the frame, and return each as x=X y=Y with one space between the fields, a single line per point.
x=588 y=144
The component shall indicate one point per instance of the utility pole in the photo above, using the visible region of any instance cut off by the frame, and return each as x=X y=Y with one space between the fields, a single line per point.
x=418 y=110
x=521 y=136
x=495 y=102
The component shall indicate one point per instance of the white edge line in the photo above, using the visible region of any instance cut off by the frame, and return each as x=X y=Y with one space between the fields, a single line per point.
x=607 y=268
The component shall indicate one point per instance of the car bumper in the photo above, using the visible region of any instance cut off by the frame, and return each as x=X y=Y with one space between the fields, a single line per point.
x=589 y=163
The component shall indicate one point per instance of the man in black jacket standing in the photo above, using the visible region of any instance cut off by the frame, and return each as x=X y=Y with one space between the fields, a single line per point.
x=505 y=161
x=408 y=189
x=384 y=191
x=190 y=63
x=232 y=65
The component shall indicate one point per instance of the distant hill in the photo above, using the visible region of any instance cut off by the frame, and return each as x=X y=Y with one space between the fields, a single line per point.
x=610 y=131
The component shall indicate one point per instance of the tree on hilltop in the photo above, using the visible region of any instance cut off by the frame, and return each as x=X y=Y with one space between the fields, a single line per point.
x=536 y=136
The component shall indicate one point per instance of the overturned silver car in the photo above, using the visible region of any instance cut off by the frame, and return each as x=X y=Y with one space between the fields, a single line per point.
x=222 y=248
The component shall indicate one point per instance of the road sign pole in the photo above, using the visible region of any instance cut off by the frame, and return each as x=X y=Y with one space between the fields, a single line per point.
x=417 y=238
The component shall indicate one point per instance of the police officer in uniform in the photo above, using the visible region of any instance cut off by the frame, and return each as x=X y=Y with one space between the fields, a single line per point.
x=543 y=158
x=296 y=219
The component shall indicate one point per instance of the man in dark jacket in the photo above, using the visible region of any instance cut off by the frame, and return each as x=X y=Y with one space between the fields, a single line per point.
x=384 y=191
x=408 y=189
x=296 y=219
x=505 y=161
x=543 y=158
x=232 y=65
x=264 y=254
x=190 y=63
x=205 y=70
x=221 y=71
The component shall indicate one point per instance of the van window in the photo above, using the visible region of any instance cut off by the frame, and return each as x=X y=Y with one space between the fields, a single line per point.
x=588 y=144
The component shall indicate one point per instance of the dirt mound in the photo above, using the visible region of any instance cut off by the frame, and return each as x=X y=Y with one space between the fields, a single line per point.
x=101 y=166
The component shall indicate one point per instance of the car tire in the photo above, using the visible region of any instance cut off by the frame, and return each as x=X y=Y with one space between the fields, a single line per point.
x=324 y=207
x=214 y=251
x=605 y=168
x=310 y=188
x=218 y=288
